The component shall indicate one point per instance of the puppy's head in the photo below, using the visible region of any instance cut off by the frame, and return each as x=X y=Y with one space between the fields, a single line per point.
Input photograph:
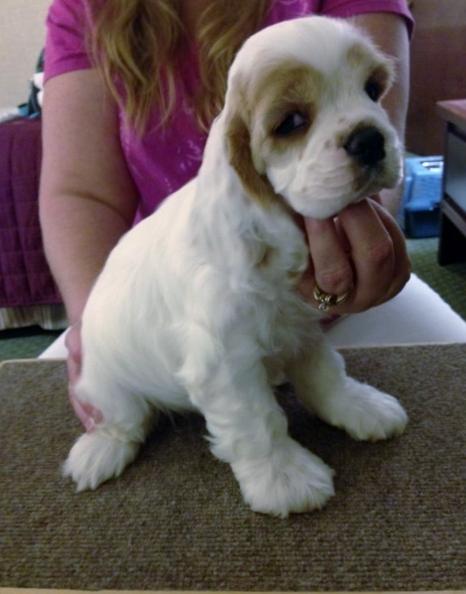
x=304 y=123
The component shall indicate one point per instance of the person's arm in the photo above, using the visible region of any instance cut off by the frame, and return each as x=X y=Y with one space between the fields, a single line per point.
x=390 y=34
x=87 y=197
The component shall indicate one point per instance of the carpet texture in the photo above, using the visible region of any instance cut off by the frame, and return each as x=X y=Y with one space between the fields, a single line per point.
x=448 y=281
x=175 y=519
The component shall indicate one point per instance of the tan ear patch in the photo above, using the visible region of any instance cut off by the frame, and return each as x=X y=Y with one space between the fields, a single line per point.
x=257 y=186
x=280 y=89
x=378 y=67
x=357 y=55
x=383 y=75
x=285 y=87
x=257 y=105
x=289 y=81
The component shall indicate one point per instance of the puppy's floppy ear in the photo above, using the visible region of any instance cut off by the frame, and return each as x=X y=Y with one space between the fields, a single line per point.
x=238 y=139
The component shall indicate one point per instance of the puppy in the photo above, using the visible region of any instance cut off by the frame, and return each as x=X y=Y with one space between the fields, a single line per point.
x=197 y=307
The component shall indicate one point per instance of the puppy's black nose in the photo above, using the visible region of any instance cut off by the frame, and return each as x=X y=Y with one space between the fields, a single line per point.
x=367 y=145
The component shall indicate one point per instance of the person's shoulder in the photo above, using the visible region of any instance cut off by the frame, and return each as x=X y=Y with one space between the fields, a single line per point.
x=352 y=8
x=283 y=10
x=72 y=12
x=65 y=48
x=358 y=6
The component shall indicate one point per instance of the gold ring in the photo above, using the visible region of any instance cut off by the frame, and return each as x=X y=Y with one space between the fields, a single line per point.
x=327 y=300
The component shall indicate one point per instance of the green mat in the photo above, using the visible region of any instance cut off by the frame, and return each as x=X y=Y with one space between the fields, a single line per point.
x=448 y=281
x=25 y=343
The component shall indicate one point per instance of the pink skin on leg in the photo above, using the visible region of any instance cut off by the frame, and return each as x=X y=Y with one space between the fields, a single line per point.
x=86 y=413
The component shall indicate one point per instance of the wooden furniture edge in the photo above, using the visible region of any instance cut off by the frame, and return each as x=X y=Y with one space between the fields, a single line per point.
x=453 y=111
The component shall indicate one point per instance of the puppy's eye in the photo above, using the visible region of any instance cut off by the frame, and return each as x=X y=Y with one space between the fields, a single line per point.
x=373 y=89
x=293 y=122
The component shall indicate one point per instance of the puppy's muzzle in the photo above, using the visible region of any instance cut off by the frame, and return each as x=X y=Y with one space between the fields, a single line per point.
x=366 y=145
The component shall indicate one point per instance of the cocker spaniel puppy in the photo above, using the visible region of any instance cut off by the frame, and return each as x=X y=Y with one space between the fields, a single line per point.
x=197 y=307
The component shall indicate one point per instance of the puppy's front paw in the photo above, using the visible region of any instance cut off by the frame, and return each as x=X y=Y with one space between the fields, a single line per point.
x=97 y=457
x=290 y=480
x=368 y=414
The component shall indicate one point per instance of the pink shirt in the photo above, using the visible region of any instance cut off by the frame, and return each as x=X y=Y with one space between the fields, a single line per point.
x=161 y=161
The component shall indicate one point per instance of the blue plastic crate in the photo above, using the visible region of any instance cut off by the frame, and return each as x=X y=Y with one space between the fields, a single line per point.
x=408 y=182
x=423 y=192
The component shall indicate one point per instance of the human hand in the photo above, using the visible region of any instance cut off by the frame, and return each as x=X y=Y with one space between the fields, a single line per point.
x=87 y=414
x=361 y=252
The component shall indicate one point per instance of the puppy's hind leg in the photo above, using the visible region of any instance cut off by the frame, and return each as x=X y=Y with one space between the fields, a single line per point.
x=105 y=451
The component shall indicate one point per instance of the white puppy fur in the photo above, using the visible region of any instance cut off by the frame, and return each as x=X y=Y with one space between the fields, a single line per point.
x=197 y=307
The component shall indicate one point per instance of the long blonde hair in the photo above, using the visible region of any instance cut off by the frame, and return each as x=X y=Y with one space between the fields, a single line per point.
x=137 y=45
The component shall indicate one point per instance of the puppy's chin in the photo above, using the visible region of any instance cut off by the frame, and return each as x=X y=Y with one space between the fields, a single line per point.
x=321 y=209
x=320 y=206
x=330 y=206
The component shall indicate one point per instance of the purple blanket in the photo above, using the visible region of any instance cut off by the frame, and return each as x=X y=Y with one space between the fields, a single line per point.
x=25 y=278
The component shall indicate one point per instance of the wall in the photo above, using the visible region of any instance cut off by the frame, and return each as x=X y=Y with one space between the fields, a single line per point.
x=22 y=36
x=438 y=69
x=437 y=63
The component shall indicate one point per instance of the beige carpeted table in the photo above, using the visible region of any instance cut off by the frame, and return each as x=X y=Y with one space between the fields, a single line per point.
x=175 y=520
